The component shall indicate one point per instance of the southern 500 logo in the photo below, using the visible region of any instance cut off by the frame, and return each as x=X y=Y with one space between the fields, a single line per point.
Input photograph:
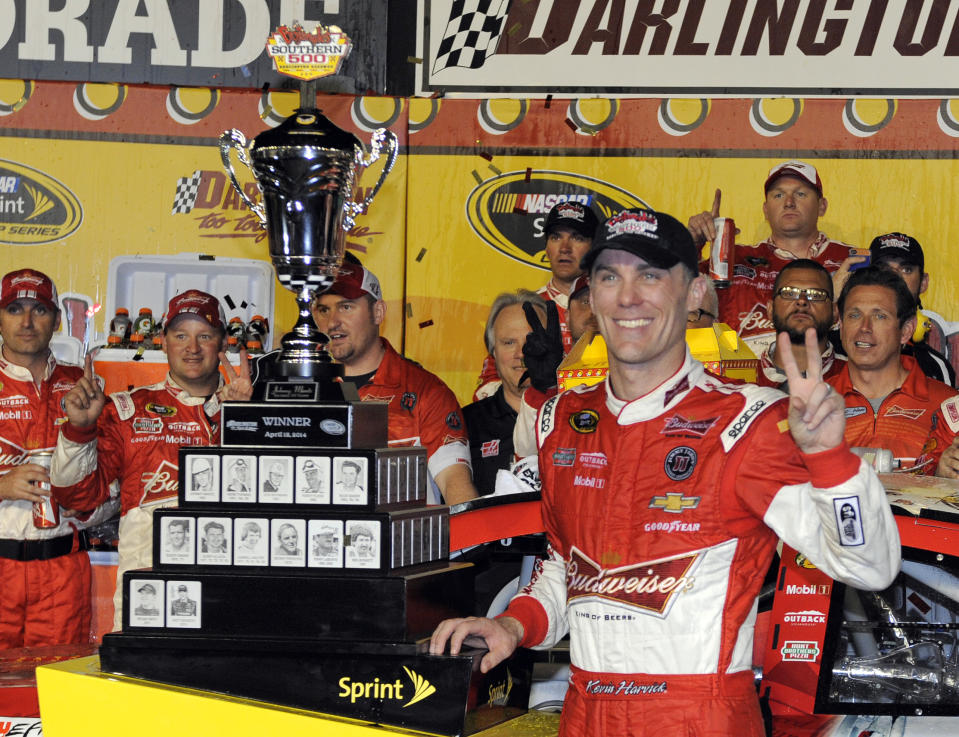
x=34 y=207
x=508 y=211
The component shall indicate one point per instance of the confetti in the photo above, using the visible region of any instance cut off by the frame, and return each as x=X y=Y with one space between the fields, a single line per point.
x=514 y=28
x=548 y=101
x=519 y=210
x=487 y=156
x=529 y=173
x=437 y=93
x=477 y=177
x=426 y=324
x=414 y=60
x=229 y=301
x=409 y=310
x=419 y=256
x=243 y=304
x=493 y=169
x=571 y=125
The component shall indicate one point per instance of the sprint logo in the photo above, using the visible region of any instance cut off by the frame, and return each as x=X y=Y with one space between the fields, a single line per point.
x=394 y=691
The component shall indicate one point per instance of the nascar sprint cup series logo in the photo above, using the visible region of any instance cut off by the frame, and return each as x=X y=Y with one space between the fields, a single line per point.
x=508 y=211
x=34 y=207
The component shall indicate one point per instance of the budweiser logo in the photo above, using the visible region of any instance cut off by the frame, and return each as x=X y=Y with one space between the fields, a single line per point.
x=35 y=281
x=679 y=425
x=913 y=413
x=755 y=319
x=159 y=484
x=651 y=587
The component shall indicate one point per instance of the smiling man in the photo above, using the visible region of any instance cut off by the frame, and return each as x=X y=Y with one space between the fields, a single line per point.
x=802 y=299
x=660 y=519
x=129 y=439
x=793 y=205
x=44 y=572
x=890 y=402
x=422 y=409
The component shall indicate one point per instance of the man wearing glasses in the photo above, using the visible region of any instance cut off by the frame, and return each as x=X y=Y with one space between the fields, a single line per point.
x=802 y=298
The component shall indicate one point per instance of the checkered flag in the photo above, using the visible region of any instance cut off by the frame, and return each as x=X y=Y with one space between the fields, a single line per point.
x=186 y=191
x=472 y=33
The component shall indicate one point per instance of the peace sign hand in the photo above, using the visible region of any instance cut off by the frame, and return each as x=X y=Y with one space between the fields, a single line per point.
x=238 y=386
x=816 y=412
x=543 y=349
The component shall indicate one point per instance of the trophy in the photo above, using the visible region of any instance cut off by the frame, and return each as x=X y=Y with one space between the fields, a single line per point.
x=308 y=170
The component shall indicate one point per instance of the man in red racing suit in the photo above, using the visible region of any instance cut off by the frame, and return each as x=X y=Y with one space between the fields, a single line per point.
x=135 y=441
x=662 y=510
x=44 y=572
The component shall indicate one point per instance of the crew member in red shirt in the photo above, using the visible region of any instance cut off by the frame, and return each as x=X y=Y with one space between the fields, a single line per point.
x=890 y=402
x=793 y=204
x=422 y=409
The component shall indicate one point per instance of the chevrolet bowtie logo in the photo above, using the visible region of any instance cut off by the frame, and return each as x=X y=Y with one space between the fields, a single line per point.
x=674 y=502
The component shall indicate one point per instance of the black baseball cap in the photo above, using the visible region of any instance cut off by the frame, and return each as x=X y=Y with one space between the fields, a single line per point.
x=657 y=238
x=898 y=246
x=573 y=215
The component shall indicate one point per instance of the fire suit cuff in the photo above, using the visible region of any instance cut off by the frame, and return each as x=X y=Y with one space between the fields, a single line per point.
x=831 y=467
x=79 y=434
x=529 y=613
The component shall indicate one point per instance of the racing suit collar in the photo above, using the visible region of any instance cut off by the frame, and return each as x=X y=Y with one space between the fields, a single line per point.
x=184 y=397
x=20 y=373
x=664 y=397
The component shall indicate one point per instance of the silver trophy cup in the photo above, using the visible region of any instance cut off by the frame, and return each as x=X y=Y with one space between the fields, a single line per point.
x=308 y=170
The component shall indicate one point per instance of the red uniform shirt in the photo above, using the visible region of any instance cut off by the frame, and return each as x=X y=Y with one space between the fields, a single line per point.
x=744 y=305
x=422 y=410
x=914 y=422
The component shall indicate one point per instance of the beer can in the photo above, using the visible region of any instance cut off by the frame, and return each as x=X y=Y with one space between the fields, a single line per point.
x=46 y=513
x=721 y=252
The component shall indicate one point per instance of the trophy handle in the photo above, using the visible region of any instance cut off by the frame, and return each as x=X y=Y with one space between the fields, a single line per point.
x=352 y=209
x=234 y=139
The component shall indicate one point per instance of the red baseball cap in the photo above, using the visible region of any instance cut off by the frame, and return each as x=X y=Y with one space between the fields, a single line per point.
x=354 y=281
x=195 y=303
x=799 y=170
x=28 y=284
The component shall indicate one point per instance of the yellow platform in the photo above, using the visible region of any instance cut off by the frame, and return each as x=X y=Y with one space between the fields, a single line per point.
x=77 y=698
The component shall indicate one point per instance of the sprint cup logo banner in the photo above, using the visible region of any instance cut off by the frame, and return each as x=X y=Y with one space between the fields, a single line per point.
x=508 y=211
x=714 y=49
x=307 y=55
x=35 y=208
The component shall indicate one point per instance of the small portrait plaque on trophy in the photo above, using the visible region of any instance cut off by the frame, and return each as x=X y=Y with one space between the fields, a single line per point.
x=276 y=479
x=184 y=602
x=239 y=479
x=178 y=540
x=350 y=480
x=146 y=598
x=216 y=542
x=312 y=480
x=202 y=478
x=326 y=543
x=288 y=544
x=251 y=541
x=363 y=548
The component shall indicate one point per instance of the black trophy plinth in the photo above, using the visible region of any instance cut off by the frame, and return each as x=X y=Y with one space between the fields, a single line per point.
x=304 y=568
x=396 y=684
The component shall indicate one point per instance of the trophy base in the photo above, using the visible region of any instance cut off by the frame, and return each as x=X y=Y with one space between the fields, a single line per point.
x=307 y=381
x=322 y=424
x=392 y=684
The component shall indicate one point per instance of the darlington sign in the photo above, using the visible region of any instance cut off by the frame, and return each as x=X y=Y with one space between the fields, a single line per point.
x=731 y=47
